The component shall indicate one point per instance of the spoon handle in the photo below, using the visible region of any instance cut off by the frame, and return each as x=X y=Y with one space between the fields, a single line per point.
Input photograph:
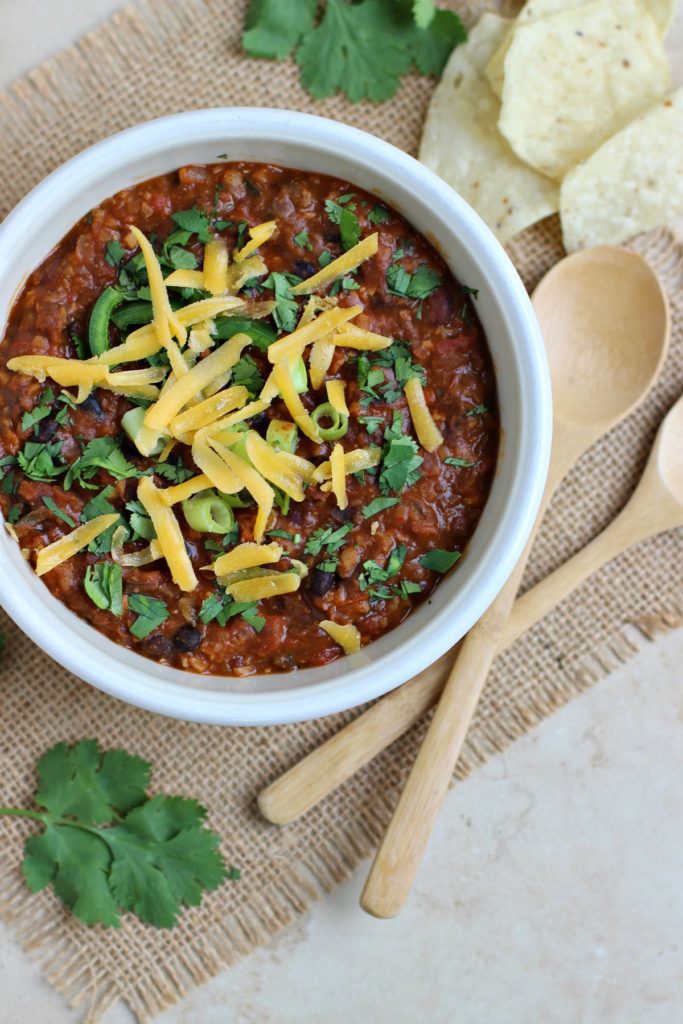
x=337 y=759
x=400 y=853
x=634 y=523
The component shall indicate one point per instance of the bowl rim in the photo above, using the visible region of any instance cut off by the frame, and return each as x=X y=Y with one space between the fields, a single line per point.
x=135 y=679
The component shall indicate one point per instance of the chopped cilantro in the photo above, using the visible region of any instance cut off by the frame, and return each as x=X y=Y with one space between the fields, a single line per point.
x=150 y=611
x=174 y=472
x=284 y=535
x=261 y=334
x=374 y=578
x=195 y=221
x=52 y=505
x=378 y=505
x=221 y=607
x=101 y=506
x=326 y=537
x=344 y=216
x=114 y=253
x=371 y=423
x=247 y=373
x=325 y=258
x=379 y=215
x=38 y=461
x=303 y=241
x=38 y=412
x=103 y=583
x=286 y=308
x=140 y=522
x=242 y=229
x=419 y=285
x=399 y=359
x=478 y=410
x=462 y=463
x=14 y=514
x=100 y=453
x=400 y=461
x=439 y=560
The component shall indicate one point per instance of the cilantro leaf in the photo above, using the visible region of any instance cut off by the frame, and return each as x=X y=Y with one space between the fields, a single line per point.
x=378 y=505
x=150 y=611
x=433 y=45
x=106 y=846
x=302 y=240
x=462 y=463
x=286 y=309
x=423 y=12
x=261 y=334
x=274 y=27
x=174 y=472
x=379 y=215
x=39 y=412
x=477 y=410
x=52 y=505
x=83 y=782
x=114 y=253
x=326 y=537
x=355 y=49
x=38 y=461
x=103 y=583
x=419 y=285
x=140 y=522
x=101 y=506
x=221 y=607
x=195 y=221
x=247 y=373
x=439 y=560
x=100 y=453
x=400 y=461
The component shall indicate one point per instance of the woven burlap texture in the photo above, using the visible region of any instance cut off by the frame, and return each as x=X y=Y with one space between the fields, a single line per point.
x=159 y=58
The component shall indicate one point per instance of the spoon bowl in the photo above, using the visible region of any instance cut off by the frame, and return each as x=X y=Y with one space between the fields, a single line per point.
x=604 y=318
x=669 y=453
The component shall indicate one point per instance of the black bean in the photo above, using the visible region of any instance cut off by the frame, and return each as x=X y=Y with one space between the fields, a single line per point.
x=259 y=422
x=158 y=646
x=45 y=430
x=321 y=581
x=188 y=638
x=304 y=268
x=92 y=405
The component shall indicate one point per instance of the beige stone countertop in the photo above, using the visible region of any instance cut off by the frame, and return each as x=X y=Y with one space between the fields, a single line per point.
x=551 y=893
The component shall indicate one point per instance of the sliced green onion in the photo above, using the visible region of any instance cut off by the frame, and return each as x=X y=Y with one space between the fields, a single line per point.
x=208 y=513
x=147 y=441
x=338 y=422
x=98 y=328
x=299 y=376
x=282 y=435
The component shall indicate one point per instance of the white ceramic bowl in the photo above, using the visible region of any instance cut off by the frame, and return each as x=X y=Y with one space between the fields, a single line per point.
x=476 y=258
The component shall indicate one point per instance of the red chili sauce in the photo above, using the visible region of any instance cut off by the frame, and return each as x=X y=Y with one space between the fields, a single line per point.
x=407 y=294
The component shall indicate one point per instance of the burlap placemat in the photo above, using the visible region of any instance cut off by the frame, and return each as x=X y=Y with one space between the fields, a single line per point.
x=156 y=59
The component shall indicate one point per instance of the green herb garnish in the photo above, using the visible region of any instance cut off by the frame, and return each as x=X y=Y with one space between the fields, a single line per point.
x=478 y=410
x=247 y=373
x=221 y=607
x=361 y=49
x=195 y=221
x=100 y=453
x=286 y=309
x=38 y=461
x=52 y=505
x=462 y=463
x=103 y=583
x=439 y=560
x=106 y=846
x=400 y=461
x=151 y=612
x=379 y=215
x=114 y=253
x=378 y=505
x=326 y=537
x=419 y=285
x=303 y=241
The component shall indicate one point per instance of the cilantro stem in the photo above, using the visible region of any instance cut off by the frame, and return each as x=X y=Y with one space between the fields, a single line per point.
x=50 y=819
x=19 y=812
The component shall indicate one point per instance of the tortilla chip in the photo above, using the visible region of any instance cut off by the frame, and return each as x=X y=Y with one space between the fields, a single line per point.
x=661 y=10
x=574 y=78
x=634 y=182
x=462 y=144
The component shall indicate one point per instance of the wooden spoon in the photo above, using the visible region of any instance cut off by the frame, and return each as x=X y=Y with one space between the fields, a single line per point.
x=562 y=299
x=655 y=506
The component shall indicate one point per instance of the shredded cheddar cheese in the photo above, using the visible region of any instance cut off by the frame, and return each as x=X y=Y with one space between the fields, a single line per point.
x=261 y=492
x=66 y=547
x=347 y=637
x=344 y=264
x=216 y=266
x=169 y=535
x=246 y=556
x=428 y=433
x=338 y=470
x=263 y=587
x=336 y=396
x=259 y=234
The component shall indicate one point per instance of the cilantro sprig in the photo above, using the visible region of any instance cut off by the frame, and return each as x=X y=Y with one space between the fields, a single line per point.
x=106 y=846
x=361 y=49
